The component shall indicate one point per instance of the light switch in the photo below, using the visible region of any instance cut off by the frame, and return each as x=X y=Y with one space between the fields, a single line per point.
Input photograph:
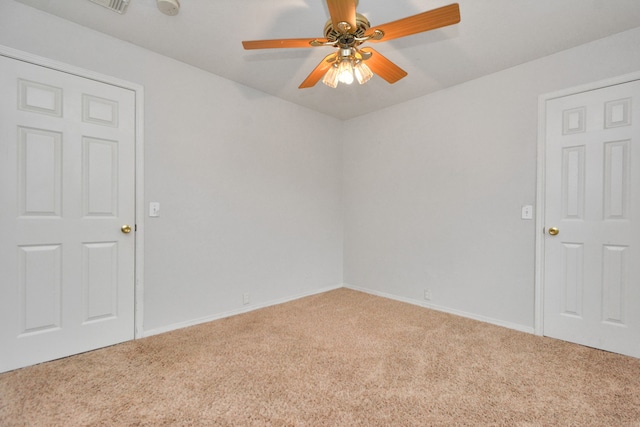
x=527 y=212
x=154 y=209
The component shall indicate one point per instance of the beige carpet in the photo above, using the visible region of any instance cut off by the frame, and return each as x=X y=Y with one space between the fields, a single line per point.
x=342 y=358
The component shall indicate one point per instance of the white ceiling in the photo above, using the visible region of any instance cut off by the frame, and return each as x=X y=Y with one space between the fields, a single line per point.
x=492 y=35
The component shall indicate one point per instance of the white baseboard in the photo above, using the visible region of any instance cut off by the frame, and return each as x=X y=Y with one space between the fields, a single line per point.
x=244 y=309
x=497 y=322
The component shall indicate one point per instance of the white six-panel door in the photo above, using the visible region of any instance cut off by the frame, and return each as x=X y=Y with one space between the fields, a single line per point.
x=67 y=170
x=592 y=197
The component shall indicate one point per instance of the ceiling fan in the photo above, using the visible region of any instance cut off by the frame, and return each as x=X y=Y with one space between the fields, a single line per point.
x=347 y=30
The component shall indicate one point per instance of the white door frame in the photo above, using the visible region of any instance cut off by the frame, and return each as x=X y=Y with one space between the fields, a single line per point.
x=139 y=161
x=540 y=192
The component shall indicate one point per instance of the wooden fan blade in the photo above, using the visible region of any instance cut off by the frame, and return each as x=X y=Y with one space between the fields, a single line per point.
x=319 y=71
x=430 y=20
x=343 y=11
x=280 y=43
x=384 y=67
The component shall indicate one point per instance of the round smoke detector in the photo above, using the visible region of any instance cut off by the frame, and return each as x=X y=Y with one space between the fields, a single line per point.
x=169 y=7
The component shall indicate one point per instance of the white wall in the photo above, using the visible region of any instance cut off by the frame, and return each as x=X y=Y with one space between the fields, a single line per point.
x=433 y=192
x=249 y=186
x=251 y=189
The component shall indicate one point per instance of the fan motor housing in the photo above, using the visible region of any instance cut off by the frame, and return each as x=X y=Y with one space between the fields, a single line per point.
x=332 y=34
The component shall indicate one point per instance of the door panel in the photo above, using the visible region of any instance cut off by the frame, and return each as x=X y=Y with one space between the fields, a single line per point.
x=40 y=288
x=592 y=195
x=67 y=158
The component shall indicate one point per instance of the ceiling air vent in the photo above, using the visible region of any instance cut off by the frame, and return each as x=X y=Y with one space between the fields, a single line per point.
x=116 y=5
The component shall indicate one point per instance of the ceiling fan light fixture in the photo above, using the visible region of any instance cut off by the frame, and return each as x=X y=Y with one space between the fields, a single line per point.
x=347 y=30
x=345 y=70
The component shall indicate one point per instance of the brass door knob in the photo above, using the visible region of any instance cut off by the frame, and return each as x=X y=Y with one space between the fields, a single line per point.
x=554 y=231
x=126 y=229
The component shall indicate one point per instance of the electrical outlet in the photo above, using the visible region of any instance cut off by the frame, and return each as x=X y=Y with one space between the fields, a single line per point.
x=427 y=294
x=245 y=298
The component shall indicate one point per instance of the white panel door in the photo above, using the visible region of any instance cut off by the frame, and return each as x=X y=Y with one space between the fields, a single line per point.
x=592 y=198
x=67 y=162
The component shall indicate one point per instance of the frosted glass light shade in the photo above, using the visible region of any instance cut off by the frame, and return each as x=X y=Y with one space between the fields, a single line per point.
x=331 y=77
x=362 y=72
x=345 y=71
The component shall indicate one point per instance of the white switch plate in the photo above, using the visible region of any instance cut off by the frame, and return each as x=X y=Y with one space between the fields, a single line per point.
x=527 y=212
x=154 y=209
